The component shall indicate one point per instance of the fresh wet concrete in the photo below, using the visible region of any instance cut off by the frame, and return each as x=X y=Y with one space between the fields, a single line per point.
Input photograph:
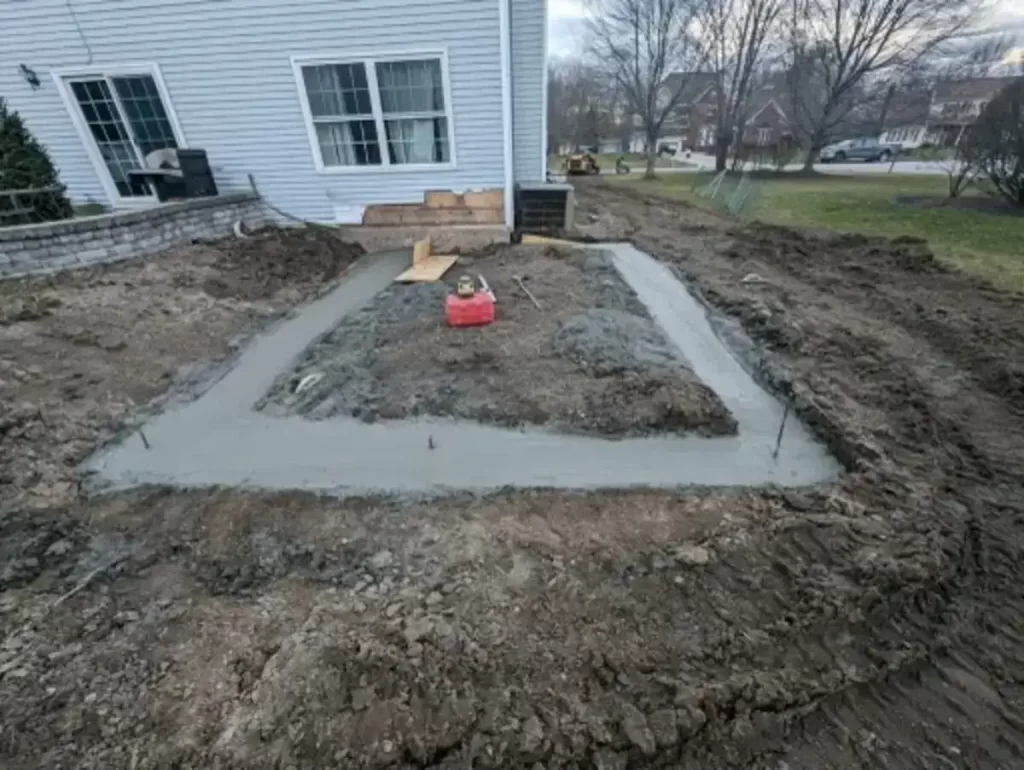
x=219 y=440
x=590 y=361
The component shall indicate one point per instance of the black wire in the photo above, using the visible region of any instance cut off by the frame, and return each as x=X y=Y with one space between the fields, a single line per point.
x=81 y=32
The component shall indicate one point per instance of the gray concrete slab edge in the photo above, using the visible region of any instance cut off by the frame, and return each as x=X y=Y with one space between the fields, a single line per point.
x=218 y=439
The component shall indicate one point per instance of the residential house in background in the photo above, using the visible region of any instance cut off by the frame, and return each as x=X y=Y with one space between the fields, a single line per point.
x=956 y=104
x=767 y=125
x=332 y=107
x=917 y=117
x=906 y=120
x=693 y=126
x=695 y=108
x=941 y=115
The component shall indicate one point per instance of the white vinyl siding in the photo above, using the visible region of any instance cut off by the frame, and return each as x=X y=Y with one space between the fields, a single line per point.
x=228 y=72
x=529 y=74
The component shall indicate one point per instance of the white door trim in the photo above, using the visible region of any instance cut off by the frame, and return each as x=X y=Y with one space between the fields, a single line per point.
x=62 y=76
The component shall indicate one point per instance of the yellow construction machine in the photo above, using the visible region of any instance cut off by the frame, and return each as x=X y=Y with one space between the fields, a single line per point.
x=581 y=164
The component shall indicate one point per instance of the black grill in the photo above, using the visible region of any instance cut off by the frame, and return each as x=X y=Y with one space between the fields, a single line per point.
x=196 y=170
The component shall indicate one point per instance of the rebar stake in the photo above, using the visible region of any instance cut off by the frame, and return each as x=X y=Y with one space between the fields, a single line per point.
x=782 y=427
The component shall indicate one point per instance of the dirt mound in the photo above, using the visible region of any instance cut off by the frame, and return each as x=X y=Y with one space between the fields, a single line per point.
x=32 y=544
x=259 y=266
x=868 y=253
x=909 y=369
x=590 y=359
x=82 y=351
x=607 y=342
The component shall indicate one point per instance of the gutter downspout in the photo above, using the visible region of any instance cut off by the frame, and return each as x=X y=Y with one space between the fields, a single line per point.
x=505 y=33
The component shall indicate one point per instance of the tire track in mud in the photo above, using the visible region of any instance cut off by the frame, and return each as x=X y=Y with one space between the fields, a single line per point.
x=952 y=459
x=874 y=623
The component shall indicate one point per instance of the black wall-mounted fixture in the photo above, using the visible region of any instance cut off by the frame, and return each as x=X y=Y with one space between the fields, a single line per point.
x=30 y=76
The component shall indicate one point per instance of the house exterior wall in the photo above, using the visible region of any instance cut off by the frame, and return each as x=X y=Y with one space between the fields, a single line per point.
x=767 y=128
x=701 y=123
x=907 y=137
x=229 y=77
x=529 y=77
x=957 y=111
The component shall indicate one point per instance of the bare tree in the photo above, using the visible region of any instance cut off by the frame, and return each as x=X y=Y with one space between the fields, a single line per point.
x=581 y=105
x=639 y=43
x=961 y=168
x=834 y=44
x=734 y=34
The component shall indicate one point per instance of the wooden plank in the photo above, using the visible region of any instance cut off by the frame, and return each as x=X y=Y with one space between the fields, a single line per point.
x=429 y=269
x=484 y=199
x=420 y=251
x=534 y=240
x=443 y=199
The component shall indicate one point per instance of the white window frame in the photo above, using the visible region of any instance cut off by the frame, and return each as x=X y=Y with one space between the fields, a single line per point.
x=63 y=76
x=369 y=61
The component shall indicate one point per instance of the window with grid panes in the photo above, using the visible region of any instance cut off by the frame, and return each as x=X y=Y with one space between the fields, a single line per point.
x=391 y=115
x=127 y=120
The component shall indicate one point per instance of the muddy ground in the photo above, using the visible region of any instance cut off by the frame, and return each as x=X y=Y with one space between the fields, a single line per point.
x=588 y=360
x=874 y=623
x=81 y=351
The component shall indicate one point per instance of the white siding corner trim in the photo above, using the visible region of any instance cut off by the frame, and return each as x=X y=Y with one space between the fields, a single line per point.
x=62 y=76
x=544 y=101
x=505 y=49
x=369 y=60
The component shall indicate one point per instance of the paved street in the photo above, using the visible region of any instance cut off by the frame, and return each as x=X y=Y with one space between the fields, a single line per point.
x=703 y=162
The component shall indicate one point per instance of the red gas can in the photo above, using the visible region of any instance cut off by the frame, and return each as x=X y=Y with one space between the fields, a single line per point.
x=469 y=311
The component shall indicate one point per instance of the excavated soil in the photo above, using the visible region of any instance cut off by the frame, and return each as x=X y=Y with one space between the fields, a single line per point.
x=588 y=360
x=273 y=260
x=877 y=622
x=80 y=351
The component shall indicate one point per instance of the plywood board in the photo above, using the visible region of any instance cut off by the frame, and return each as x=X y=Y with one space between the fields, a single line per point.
x=420 y=251
x=430 y=269
x=531 y=239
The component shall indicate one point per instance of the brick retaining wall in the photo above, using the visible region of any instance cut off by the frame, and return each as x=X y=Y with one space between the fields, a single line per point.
x=71 y=243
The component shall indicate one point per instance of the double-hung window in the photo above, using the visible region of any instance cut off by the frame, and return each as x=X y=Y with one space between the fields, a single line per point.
x=377 y=112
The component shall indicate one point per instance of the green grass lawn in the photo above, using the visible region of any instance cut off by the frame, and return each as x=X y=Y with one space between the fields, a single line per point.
x=988 y=244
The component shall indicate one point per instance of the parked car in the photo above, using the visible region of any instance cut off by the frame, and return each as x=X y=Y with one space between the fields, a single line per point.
x=866 y=149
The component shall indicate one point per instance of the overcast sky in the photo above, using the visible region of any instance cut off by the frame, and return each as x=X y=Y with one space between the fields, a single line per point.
x=565 y=23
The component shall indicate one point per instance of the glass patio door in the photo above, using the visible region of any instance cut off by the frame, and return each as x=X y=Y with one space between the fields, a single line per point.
x=126 y=119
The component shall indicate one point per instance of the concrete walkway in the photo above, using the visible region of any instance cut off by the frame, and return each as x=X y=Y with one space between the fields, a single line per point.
x=219 y=440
